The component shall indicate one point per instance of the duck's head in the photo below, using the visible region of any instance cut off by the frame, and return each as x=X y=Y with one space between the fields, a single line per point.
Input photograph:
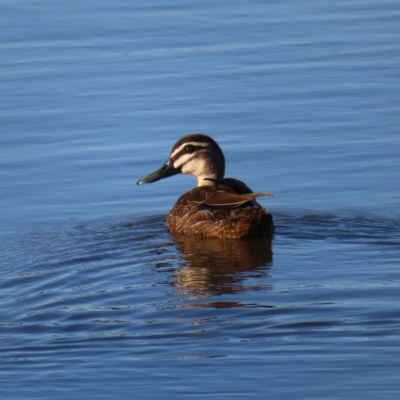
x=197 y=155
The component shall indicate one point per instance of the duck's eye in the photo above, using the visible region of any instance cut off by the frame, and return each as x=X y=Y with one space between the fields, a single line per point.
x=189 y=149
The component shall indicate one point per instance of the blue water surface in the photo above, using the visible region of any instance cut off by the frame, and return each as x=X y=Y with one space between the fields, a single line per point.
x=98 y=301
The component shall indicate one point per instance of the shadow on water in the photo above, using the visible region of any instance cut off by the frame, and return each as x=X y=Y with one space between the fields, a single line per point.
x=216 y=267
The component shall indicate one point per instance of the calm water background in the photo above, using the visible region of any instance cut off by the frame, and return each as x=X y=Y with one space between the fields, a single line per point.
x=98 y=301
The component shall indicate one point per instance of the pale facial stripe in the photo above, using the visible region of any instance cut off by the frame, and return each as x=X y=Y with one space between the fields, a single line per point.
x=185 y=158
x=183 y=145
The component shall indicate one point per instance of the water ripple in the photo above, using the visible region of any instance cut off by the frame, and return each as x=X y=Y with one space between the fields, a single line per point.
x=128 y=286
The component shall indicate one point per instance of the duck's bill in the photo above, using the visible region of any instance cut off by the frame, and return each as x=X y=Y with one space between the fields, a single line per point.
x=165 y=171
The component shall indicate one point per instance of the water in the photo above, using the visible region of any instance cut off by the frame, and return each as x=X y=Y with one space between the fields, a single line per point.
x=98 y=300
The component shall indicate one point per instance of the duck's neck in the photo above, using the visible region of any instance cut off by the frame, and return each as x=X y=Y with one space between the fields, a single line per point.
x=202 y=181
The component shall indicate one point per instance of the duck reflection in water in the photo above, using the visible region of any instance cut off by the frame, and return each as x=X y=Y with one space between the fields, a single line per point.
x=216 y=267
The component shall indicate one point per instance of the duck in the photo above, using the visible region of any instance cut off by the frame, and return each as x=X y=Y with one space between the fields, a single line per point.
x=217 y=207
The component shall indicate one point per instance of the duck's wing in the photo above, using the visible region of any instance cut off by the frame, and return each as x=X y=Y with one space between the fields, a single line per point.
x=224 y=200
x=237 y=186
x=219 y=198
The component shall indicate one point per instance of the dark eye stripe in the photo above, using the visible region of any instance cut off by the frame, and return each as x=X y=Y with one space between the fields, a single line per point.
x=195 y=149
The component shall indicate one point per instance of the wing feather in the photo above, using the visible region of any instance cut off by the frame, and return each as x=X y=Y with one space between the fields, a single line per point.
x=219 y=196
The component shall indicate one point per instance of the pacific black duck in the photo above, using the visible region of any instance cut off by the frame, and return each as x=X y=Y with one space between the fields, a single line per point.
x=218 y=207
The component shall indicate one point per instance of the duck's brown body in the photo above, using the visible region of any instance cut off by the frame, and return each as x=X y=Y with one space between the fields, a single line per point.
x=219 y=211
x=218 y=207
